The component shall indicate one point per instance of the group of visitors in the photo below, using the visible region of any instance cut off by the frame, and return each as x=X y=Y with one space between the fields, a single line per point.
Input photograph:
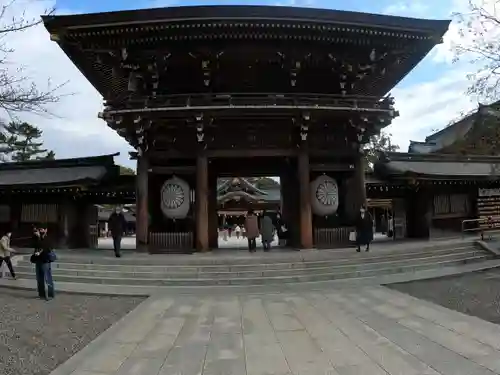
x=42 y=257
x=228 y=230
x=266 y=229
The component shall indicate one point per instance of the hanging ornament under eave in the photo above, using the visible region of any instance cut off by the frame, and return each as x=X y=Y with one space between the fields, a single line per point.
x=175 y=194
x=324 y=196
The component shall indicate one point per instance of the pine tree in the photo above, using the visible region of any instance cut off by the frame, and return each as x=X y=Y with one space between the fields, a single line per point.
x=51 y=155
x=21 y=142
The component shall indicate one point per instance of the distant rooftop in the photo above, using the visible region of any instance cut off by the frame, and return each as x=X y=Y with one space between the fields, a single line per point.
x=452 y=133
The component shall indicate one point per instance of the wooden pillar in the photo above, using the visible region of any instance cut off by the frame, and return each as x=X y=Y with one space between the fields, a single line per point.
x=291 y=205
x=212 y=211
x=202 y=236
x=63 y=221
x=306 y=231
x=359 y=181
x=142 y=207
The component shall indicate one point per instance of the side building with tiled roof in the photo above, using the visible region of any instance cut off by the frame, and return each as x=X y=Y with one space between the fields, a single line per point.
x=450 y=182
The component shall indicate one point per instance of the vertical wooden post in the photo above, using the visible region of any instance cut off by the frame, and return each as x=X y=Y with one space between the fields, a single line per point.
x=212 y=211
x=306 y=231
x=202 y=237
x=63 y=221
x=142 y=208
x=359 y=180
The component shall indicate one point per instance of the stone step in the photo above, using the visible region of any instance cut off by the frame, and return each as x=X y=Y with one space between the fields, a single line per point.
x=353 y=258
x=330 y=274
x=105 y=257
x=236 y=263
x=218 y=272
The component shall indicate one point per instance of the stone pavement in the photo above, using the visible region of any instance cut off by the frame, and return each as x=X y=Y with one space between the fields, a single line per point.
x=345 y=331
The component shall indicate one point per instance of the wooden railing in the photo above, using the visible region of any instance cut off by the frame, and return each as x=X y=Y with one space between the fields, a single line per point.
x=171 y=242
x=332 y=237
x=254 y=100
x=481 y=226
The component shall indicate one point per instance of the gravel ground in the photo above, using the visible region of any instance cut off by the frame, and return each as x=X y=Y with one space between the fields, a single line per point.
x=36 y=336
x=476 y=293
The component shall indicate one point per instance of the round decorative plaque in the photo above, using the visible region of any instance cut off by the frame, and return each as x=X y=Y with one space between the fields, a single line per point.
x=175 y=198
x=324 y=196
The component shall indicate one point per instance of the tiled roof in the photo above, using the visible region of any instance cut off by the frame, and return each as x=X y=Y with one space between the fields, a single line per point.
x=51 y=176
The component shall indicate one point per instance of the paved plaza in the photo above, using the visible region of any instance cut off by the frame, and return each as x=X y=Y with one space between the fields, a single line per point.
x=349 y=331
x=128 y=243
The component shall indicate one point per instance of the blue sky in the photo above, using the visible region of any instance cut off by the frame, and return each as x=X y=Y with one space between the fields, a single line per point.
x=429 y=98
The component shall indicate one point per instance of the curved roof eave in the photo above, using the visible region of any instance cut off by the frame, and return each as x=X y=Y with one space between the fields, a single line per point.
x=107 y=159
x=243 y=12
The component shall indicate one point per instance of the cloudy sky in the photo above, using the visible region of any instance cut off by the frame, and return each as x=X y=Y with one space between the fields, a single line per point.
x=429 y=98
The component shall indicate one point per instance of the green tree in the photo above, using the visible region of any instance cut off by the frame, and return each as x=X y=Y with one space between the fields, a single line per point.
x=479 y=45
x=22 y=142
x=51 y=155
x=126 y=171
x=378 y=143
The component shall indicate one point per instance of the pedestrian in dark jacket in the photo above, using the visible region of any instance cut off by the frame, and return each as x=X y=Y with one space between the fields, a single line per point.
x=364 y=229
x=41 y=259
x=282 y=230
x=117 y=226
x=266 y=231
x=252 y=230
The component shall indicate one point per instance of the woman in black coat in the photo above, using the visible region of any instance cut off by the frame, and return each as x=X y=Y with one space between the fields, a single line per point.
x=364 y=229
x=282 y=230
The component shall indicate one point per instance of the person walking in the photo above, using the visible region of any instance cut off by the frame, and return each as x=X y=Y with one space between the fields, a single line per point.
x=266 y=231
x=364 y=229
x=5 y=254
x=282 y=230
x=43 y=269
x=117 y=225
x=237 y=230
x=252 y=230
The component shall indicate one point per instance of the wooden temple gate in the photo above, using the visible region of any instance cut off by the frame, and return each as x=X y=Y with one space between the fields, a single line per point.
x=205 y=91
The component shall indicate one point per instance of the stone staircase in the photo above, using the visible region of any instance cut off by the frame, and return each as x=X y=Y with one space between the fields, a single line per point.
x=254 y=269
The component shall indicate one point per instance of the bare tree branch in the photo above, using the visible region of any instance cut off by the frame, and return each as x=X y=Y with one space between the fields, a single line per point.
x=479 y=29
x=18 y=92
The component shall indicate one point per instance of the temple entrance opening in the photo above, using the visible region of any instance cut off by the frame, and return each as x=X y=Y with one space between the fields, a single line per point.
x=239 y=196
x=382 y=213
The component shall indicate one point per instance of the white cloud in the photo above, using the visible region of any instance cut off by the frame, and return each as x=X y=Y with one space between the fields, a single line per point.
x=429 y=105
x=296 y=3
x=76 y=131
x=412 y=8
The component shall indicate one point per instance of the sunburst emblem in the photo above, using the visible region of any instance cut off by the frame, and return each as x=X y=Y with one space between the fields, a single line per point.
x=173 y=196
x=326 y=193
